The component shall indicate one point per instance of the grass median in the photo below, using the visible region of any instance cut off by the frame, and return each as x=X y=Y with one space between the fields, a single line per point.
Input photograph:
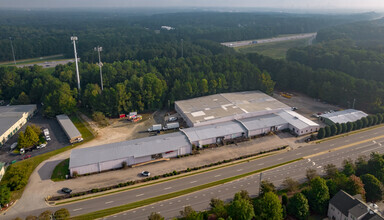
x=118 y=209
x=29 y=165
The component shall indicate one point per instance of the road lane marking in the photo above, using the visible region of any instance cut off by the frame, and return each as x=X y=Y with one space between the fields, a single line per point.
x=140 y=195
x=168 y=188
x=316 y=148
x=108 y=202
x=239 y=170
x=217 y=175
x=193 y=181
x=77 y=209
x=370 y=150
x=298 y=153
x=346 y=140
x=260 y=164
x=280 y=159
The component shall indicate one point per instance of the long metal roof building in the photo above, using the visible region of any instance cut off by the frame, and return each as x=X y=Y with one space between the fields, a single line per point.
x=136 y=148
x=348 y=115
x=68 y=127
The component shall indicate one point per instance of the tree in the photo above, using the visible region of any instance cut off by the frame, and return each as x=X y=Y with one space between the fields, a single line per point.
x=343 y=128
x=298 y=206
x=267 y=186
x=349 y=127
x=188 y=213
x=328 y=132
x=16 y=176
x=339 y=128
x=268 y=206
x=284 y=199
x=311 y=173
x=62 y=214
x=46 y=215
x=333 y=130
x=155 y=216
x=23 y=99
x=243 y=194
x=31 y=136
x=359 y=124
x=290 y=184
x=354 y=186
x=5 y=195
x=349 y=167
x=318 y=195
x=375 y=120
x=373 y=188
x=321 y=133
x=361 y=164
x=379 y=118
x=331 y=170
x=31 y=217
x=36 y=129
x=241 y=209
x=370 y=120
x=218 y=208
x=22 y=141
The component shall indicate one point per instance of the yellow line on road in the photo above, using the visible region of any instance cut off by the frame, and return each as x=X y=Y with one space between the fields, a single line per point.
x=343 y=147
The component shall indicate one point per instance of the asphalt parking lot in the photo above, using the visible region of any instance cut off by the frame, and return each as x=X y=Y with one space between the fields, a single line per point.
x=58 y=138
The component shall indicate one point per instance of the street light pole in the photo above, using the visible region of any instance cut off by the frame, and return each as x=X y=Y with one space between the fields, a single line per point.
x=13 y=52
x=74 y=39
x=99 y=49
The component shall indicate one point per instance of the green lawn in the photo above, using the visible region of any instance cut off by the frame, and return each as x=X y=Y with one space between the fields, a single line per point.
x=60 y=171
x=276 y=50
x=30 y=164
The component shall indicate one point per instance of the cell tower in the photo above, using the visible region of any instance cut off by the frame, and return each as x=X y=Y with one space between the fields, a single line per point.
x=99 y=49
x=74 y=39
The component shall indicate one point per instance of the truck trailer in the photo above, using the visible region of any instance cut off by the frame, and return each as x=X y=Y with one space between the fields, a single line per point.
x=174 y=125
x=156 y=127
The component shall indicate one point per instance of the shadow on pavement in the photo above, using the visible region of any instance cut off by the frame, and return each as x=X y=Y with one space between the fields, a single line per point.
x=45 y=171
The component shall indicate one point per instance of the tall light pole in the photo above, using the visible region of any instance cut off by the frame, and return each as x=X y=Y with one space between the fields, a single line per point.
x=13 y=52
x=99 y=49
x=74 y=39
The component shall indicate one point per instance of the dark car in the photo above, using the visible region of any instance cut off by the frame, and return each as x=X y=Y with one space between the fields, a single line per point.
x=66 y=190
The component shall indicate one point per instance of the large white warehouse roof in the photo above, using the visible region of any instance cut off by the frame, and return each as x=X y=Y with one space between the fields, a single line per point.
x=348 y=115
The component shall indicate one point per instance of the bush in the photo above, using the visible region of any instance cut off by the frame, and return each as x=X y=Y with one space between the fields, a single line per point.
x=124 y=164
x=62 y=214
x=99 y=117
x=75 y=174
x=5 y=195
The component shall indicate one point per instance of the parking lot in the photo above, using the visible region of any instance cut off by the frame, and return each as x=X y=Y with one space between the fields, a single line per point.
x=58 y=138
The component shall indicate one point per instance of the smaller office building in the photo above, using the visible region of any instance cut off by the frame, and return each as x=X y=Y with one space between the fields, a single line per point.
x=12 y=118
x=349 y=115
x=263 y=124
x=216 y=133
x=2 y=170
x=69 y=128
x=343 y=206
x=111 y=156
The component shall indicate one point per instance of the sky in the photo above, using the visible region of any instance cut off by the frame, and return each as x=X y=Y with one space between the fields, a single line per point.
x=358 y=5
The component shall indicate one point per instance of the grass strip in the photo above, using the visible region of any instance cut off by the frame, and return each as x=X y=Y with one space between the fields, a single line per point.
x=61 y=171
x=29 y=165
x=349 y=133
x=118 y=209
x=162 y=181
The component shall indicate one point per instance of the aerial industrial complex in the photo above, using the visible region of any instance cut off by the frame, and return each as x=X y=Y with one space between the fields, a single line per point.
x=12 y=118
x=212 y=119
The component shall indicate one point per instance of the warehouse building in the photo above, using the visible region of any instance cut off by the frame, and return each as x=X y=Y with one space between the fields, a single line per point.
x=111 y=156
x=226 y=107
x=217 y=133
x=349 y=115
x=12 y=118
x=69 y=128
x=297 y=123
x=263 y=124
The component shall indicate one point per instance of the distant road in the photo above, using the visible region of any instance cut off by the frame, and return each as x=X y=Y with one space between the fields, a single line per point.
x=269 y=40
x=49 y=64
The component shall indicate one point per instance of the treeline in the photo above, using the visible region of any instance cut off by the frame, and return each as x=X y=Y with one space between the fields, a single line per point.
x=338 y=128
x=332 y=86
x=127 y=35
x=131 y=85
x=299 y=201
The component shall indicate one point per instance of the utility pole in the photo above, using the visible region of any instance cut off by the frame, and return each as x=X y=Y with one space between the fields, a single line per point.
x=353 y=105
x=13 y=52
x=261 y=176
x=182 y=48
x=74 y=39
x=99 y=49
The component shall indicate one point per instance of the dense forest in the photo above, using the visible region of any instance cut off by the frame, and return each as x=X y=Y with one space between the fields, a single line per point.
x=126 y=35
x=145 y=68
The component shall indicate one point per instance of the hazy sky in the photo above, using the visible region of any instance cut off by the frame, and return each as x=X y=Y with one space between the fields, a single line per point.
x=278 y=4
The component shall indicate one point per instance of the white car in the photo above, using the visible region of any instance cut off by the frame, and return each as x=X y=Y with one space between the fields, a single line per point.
x=41 y=146
x=145 y=173
x=171 y=119
x=47 y=138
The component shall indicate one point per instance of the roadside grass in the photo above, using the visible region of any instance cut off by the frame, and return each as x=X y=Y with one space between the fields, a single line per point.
x=163 y=180
x=57 y=57
x=276 y=50
x=29 y=165
x=349 y=133
x=118 y=209
x=60 y=171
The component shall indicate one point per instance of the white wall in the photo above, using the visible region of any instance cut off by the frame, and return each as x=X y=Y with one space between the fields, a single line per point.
x=142 y=159
x=334 y=212
x=91 y=168
x=113 y=164
x=170 y=154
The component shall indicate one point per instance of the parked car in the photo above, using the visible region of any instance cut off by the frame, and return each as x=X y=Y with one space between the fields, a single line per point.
x=22 y=151
x=172 y=119
x=145 y=173
x=66 y=190
x=26 y=157
x=41 y=146
x=47 y=138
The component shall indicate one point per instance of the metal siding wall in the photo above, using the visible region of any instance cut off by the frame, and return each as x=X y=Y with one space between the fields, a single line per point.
x=169 y=155
x=142 y=159
x=113 y=164
x=207 y=141
x=91 y=168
